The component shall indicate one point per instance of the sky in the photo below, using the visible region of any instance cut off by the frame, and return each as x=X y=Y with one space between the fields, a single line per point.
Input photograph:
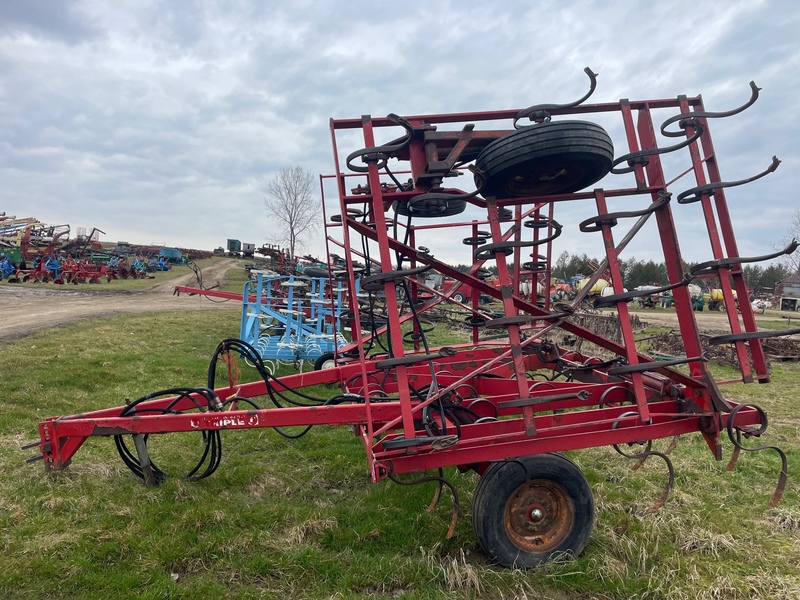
x=162 y=122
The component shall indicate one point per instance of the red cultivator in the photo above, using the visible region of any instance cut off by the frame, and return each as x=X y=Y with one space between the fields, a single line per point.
x=508 y=402
x=82 y=271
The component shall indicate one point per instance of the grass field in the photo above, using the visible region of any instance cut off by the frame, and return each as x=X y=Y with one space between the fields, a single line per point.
x=300 y=519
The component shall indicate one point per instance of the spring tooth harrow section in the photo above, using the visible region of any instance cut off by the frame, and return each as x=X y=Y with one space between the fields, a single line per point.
x=509 y=401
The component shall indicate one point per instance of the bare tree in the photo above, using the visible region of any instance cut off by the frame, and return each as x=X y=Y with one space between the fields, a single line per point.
x=292 y=202
x=791 y=261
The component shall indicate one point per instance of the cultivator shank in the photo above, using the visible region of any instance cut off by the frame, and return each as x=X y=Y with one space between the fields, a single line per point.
x=514 y=394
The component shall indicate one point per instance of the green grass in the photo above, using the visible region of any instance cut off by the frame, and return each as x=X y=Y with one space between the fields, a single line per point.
x=235 y=279
x=300 y=519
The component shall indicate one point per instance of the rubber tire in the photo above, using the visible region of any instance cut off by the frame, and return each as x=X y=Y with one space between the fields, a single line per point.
x=496 y=489
x=513 y=166
x=326 y=361
x=455 y=206
x=315 y=272
x=460 y=297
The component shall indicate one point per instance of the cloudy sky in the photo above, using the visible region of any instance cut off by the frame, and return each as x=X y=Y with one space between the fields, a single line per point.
x=164 y=121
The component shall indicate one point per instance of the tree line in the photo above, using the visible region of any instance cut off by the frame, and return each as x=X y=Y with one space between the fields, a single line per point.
x=636 y=273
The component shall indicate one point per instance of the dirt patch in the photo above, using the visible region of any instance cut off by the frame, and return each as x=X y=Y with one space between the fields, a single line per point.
x=707 y=322
x=24 y=310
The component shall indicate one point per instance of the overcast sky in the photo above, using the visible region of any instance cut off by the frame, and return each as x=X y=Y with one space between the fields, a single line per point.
x=163 y=122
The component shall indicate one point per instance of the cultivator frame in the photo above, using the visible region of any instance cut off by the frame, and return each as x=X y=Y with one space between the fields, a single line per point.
x=516 y=398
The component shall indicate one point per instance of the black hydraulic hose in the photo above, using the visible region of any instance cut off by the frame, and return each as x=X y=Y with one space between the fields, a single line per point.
x=212 y=442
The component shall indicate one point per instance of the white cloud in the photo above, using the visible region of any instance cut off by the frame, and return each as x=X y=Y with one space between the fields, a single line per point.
x=165 y=120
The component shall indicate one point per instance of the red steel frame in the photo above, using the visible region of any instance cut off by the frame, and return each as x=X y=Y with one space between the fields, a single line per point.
x=595 y=407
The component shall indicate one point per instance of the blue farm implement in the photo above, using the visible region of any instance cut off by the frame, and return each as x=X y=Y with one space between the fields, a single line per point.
x=7 y=268
x=293 y=318
x=507 y=403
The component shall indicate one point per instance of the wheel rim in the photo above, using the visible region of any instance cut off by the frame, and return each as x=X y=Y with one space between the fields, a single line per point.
x=539 y=516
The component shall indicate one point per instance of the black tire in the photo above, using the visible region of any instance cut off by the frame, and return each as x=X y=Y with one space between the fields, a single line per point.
x=434 y=207
x=557 y=157
x=528 y=511
x=315 y=272
x=460 y=297
x=326 y=361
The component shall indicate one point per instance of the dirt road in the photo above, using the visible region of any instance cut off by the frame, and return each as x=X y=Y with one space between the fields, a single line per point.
x=24 y=310
x=708 y=322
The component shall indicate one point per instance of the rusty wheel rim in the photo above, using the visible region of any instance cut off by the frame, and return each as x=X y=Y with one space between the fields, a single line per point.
x=539 y=516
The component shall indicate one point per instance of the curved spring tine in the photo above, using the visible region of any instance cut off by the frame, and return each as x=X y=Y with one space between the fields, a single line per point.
x=710 y=267
x=640 y=222
x=694 y=194
x=670 y=482
x=436 y=495
x=488 y=251
x=628 y=392
x=605 y=301
x=440 y=481
x=640 y=156
x=642 y=456
x=540 y=112
x=736 y=440
x=752 y=335
x=595 y=223
x=672 y=445
x=684 y=119
x=735 y=456
x=616 y=447
x=381 y=154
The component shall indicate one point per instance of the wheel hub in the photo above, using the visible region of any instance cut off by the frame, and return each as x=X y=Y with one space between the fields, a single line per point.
x=539 y=516
x=535 y=513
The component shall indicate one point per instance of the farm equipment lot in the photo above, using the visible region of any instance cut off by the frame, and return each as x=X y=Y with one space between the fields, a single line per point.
x=287 y=518
x=28 y=308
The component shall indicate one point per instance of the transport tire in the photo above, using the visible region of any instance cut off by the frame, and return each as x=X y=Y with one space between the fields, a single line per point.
x=315 y=272
x=431 y=206
x=531 y=510
x=557 y=157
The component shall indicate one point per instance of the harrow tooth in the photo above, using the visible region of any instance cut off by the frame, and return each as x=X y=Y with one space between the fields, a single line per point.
x=778 y=494
x=34 y=458
x=29 y=445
